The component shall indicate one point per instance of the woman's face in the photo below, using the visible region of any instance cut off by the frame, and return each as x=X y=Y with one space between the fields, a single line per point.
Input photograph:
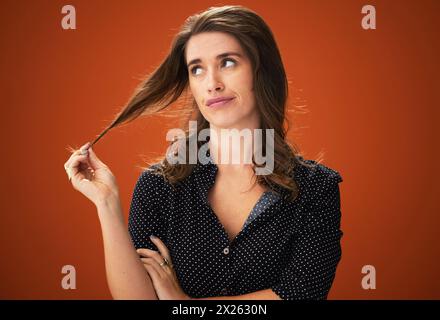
x=219 y=68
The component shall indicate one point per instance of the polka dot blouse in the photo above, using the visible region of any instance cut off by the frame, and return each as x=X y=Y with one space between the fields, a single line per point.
x=293 y=248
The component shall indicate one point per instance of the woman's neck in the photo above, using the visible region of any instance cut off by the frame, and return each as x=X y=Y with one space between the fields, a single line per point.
x=231 y=149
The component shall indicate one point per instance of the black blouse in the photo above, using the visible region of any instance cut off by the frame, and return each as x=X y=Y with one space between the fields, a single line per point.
x=293 y=248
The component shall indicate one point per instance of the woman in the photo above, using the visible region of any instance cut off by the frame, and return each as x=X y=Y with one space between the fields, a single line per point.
x=221 y=230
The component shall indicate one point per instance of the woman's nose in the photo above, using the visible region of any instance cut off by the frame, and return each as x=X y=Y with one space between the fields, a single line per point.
x=214 y=82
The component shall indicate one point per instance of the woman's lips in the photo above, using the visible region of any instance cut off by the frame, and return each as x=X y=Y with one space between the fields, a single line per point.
x=220 y=103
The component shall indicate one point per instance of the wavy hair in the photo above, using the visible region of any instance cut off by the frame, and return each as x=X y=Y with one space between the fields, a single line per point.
x=168 y=82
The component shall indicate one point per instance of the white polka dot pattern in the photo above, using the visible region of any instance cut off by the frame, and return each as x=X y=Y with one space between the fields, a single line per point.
x=292 y=248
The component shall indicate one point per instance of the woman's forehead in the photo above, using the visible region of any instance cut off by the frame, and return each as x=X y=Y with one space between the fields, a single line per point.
x=209 y=45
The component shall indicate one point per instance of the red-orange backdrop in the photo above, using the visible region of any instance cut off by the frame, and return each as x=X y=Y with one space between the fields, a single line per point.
x=372 y=102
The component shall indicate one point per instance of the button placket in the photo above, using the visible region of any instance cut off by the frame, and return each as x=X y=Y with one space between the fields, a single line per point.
x=226 y=252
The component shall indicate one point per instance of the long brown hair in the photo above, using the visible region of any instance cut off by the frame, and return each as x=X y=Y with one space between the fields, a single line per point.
x=169 y=81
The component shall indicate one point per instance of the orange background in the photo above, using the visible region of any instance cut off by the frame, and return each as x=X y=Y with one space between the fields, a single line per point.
x=371 y=97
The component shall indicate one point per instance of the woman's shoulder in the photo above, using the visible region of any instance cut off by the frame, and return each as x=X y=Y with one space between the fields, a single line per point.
x=151 y=178
x=319 y=183
x=313 y=174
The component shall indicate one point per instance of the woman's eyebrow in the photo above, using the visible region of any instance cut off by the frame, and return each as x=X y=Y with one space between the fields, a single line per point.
x=220 y=56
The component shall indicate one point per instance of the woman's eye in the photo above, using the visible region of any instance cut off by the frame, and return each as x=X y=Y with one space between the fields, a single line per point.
x=229 y=60
x=193 y=69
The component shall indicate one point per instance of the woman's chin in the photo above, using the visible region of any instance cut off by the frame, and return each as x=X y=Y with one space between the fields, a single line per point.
x=223 y=123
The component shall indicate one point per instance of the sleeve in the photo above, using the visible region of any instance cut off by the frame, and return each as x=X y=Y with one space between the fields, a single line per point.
x=147 y=211
x=316 y=250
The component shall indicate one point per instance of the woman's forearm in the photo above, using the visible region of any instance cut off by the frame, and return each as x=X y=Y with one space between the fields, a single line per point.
x=126 y=276
x=266 y=294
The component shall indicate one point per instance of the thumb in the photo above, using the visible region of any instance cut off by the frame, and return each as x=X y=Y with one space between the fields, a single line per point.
x=94 y=161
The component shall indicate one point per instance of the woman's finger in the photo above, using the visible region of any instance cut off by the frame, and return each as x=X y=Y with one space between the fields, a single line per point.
x=81 y=151
x=154 y=276
x=162 y=247
x=155 y=268
x=147 y=253
x=78 y=160
x=78 y=164
x=72 y=156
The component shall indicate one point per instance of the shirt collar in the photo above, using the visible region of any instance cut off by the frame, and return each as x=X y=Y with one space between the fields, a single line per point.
x=205 y=174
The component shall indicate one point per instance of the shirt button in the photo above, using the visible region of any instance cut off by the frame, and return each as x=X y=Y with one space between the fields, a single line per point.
x=226 y=250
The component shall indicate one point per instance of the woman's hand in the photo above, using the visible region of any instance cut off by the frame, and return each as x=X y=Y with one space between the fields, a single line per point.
x=91 y=176
x=164 y=277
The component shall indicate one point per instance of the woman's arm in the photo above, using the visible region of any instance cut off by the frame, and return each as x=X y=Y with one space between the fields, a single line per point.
x=126 y=275
x=266 y=294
